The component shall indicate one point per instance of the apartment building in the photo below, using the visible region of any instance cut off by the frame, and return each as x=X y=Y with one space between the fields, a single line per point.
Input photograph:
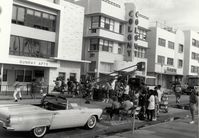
x=40 y=39
x=191 y=58
x=165 y=54
x=114 y=37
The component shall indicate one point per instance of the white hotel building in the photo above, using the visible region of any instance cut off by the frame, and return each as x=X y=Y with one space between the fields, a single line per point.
x=40 y=39
x=166 y=54
x=191 y=59
x=114 y=36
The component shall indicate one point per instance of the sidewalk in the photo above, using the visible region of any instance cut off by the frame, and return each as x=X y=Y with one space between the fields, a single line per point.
x=172 y=129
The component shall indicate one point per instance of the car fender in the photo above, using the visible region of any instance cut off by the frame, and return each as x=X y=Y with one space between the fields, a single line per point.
x=98 y=116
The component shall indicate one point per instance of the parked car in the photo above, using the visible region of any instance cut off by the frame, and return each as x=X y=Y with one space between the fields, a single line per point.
x=54 y=112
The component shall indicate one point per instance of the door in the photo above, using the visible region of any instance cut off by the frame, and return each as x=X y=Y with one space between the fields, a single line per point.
x=68 y=118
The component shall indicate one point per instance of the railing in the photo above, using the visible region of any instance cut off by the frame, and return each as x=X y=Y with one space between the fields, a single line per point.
x=27 y=89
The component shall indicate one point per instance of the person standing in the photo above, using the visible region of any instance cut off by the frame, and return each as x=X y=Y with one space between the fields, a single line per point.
x=178 y=91
x=115 y=107
x=151 y=105
x=160 y=92
x=193 y=102
x=17 y=90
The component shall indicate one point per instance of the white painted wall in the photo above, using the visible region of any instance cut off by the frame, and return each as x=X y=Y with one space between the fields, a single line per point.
x=24 y=31
x=112 y=10
x=179 y=40
x=5 y=27
x=151 y=52
x=143 y=22
x=189 y=35
x=71 y=31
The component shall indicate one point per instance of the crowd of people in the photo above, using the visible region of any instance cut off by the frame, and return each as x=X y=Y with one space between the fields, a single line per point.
x=123 y=94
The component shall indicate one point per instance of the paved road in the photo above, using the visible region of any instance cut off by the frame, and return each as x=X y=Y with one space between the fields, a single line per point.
x=174 y=129
x=72 y=132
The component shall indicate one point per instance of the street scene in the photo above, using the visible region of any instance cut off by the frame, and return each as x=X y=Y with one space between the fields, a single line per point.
x=99 y=69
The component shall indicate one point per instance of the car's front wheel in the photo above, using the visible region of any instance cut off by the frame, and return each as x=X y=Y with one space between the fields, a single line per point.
x=91 y=123
x=39 y=132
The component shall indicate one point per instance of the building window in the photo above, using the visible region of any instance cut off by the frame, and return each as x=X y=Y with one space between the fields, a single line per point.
x=170 y=45
x=194 y=69
x=107 y=23
x=38 y=73
x=33 y=18
x=23 y=75
x=120 y=48
x=92 y=66
x=195 y=43
x=5 y=74
x=180 y=50
x=18 y=14
x=21 y=46
x=94 y=22
x=180 y=63
x=139 y=52
x=161 y=59
x=28 y=76
x=195 y=56
x=19 y=75
x=62 y=75
x=73 y=76
x=106 y=45
x=161 y=42
x=121 y=31
x=94 y=44
x=142 y=34
x=170 y=61
x=106 y=67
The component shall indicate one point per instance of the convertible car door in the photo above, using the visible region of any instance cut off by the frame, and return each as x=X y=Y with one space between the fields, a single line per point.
x=69 y=118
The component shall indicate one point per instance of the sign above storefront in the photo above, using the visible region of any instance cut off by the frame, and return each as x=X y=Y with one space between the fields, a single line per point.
x=170 y=70
x=37 y=63
x=31 y=62
x=112 y=3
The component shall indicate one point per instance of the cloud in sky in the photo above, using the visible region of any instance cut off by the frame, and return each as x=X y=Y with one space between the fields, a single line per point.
x=182 y=14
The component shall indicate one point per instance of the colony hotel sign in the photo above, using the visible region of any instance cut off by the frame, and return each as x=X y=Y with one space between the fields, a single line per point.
x=130 y=29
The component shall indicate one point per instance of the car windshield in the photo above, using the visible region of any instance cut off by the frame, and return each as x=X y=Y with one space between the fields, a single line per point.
x=55 y=102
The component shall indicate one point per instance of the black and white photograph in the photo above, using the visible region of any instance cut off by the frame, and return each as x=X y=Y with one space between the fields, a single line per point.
x=99 y=68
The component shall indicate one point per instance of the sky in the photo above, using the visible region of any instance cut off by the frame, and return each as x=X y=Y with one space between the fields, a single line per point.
x=182 y=14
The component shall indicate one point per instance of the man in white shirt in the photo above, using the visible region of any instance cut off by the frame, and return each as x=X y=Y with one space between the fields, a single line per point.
x=160 y=92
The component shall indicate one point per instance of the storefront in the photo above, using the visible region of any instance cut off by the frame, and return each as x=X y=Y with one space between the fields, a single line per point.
x=25 y=70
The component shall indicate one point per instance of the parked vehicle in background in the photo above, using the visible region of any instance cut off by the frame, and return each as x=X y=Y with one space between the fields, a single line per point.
x=54 y=112
x=186 y=89
x=193 y=81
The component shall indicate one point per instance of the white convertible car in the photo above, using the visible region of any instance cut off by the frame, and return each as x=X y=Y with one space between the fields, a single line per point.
x=55 y=112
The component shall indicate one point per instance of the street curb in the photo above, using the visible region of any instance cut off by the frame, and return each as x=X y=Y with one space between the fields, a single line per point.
x=109 y=130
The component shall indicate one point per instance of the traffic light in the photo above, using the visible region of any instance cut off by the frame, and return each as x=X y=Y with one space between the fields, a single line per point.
x=141 y=66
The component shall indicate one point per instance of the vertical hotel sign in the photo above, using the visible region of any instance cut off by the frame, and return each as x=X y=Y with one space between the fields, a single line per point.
x=130 y=31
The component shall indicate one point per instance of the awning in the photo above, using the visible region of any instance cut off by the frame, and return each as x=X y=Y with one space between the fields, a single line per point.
x=71 y=60
x=150 y=77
